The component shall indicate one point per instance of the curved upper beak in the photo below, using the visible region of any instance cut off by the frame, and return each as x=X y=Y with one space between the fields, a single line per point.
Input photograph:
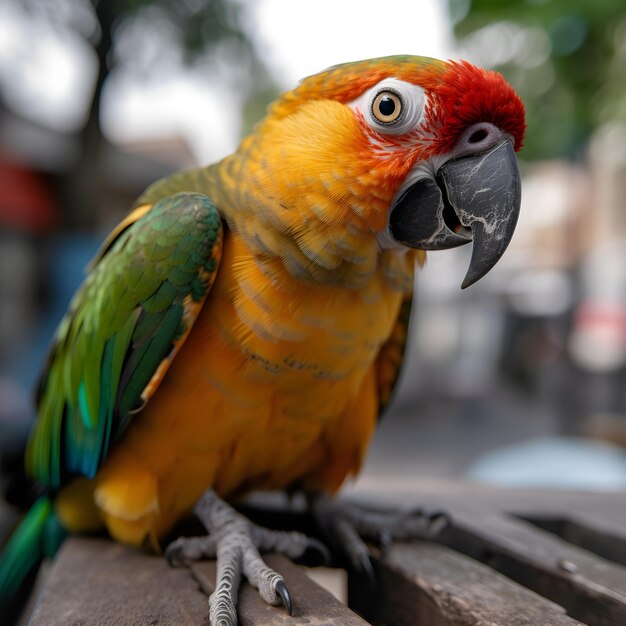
x=475 y=198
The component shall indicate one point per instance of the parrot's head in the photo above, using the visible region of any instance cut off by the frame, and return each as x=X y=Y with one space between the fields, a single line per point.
x=409 y=151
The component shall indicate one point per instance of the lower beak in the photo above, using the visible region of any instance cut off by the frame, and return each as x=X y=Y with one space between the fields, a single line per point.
x=475 y=198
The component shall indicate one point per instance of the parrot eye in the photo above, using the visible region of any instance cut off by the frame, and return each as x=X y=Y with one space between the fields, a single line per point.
x=387 y=107
x=391 y=107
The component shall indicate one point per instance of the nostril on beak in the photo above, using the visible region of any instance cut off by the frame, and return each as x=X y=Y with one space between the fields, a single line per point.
x=478 y=135
x=478 y=138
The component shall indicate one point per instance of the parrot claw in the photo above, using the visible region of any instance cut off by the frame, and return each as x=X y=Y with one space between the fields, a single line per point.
x=438 y=522
x=385 y=538
x=349 y=527
x=316 y=554
x=283 y=593
x=236 y=543
x=366 y=569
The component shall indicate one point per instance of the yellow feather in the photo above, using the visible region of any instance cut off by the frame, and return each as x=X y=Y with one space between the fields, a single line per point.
x=276 y=384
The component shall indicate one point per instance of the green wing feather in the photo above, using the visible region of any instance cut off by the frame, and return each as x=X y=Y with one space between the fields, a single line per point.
x=133 y=310
x=38 y=535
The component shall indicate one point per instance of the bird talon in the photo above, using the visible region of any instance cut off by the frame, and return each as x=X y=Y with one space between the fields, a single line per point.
x=433 y=515
x=366 y=569
x=385 y=539
x=439 y=521
x=174 y=555
x=283 y=593
x=316 y=554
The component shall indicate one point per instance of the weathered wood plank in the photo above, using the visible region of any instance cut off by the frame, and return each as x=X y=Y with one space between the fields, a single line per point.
x=95 y=582
x=425 y=583
x=312 y=605
x=610 y=506
x=591 y=588
x=580 y=569
x=432 y=586
x=591 y=533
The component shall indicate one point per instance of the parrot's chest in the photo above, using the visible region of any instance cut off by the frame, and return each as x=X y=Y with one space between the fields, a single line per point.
x=271 y=370
x=286 y=374
x=290 y=336
x=275 y=386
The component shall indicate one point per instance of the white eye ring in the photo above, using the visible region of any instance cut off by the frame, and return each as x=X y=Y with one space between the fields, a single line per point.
x=410 y=98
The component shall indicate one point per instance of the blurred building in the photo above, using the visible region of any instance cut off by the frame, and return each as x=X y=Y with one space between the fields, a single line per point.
x=28 y=212
x=597 y=344
x=44 y=248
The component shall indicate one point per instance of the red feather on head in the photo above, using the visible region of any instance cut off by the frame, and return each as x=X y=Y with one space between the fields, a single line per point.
x=465 y=95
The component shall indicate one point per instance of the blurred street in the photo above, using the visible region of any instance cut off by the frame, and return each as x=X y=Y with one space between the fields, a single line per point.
x=443 y=439
x=511 y=439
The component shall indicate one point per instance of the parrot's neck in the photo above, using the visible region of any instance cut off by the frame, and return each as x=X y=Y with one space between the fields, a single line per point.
x=292 y=226
x=297 y=197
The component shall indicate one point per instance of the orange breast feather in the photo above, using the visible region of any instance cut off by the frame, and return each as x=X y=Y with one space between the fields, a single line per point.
x=273 y=388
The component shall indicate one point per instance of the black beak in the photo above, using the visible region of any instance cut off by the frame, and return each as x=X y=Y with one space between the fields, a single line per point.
x=475 y=198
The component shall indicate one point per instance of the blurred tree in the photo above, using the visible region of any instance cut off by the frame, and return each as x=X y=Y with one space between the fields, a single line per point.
x=142 y=35
x=566 y=59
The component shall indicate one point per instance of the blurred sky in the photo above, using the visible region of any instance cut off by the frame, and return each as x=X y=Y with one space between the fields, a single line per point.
x=303 y=37
x=57 y=70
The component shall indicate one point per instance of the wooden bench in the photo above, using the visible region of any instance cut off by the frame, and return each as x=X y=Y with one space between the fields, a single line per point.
x=509 y=557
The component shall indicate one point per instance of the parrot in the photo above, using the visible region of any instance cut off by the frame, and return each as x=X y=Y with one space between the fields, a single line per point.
x=244 y=326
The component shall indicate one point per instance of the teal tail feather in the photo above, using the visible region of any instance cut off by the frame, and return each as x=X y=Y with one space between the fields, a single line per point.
x=38 y=535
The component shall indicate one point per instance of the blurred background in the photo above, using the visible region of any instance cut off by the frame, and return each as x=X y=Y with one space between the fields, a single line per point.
x=518 y=380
